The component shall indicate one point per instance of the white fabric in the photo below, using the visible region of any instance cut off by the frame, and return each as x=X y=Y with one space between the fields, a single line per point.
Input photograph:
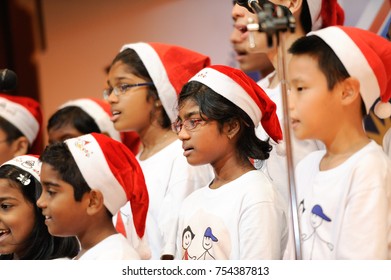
x=20 y=117
x=315 y=8
x=27 y=163
x=89 y=158
x=276 y=165
x=114 y=247
x=245 y=216
x=230 y=89
x=95 y=111
x=355 y=196
x=387 y=142
x=169 y=180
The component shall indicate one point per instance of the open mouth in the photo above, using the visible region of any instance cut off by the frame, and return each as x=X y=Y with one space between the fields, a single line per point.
x=4 y=232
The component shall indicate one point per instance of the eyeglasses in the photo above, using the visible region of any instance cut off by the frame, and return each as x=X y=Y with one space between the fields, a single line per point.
x=122 y=89
x=189 y=124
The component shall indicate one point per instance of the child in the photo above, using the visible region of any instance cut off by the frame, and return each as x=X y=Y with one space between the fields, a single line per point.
x=86 y=115
x=309 y=15
x=144 y=80
x=239 y=215
x=23 y=233
x=335 y=76
x=20 y=126
x=85 y=182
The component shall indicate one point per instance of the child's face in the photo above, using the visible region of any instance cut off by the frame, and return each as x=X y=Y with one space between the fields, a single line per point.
x=313 y=107
x=131 y=110
x=7 y=151
x=203 y=144
x=17 y=218
x=63 y=133
x=64 y=216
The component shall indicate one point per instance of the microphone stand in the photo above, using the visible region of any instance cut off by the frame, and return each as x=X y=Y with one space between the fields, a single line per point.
x=276 y=20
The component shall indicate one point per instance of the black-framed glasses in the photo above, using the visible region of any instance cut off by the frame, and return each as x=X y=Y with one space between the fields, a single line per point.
x=122 y=89
x=189 y=124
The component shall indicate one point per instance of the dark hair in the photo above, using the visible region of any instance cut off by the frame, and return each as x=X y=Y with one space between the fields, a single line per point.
x=13 y=133
x=329 y=63
x=61 y=160
x=305 y=17
x=218 y=108
x=40 y=245
x=188 y=228
x=75 y=116
x=136 y=66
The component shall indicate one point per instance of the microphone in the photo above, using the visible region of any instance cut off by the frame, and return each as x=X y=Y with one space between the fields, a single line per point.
x=8 y=80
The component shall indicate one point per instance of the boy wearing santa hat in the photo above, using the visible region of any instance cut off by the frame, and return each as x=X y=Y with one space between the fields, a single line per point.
x=219 y=109
x=336 y=75
x=85 y=181
x=20 y=126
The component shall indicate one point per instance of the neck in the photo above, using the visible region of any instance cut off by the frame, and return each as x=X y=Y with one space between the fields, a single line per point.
x=155 y=140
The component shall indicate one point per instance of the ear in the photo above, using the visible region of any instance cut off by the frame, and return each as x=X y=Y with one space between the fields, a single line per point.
x=232 y=128
x=350 y=91
x=95 y=202
x=20 y=146
x=293 y=5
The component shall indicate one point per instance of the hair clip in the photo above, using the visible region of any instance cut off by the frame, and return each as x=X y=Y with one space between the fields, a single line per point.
x=24 y=179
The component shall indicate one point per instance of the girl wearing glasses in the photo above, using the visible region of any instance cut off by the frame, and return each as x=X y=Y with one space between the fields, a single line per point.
x=239 y=215
x=143 y=83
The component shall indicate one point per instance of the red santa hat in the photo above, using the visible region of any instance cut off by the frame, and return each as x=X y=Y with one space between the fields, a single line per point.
x=108 y=166
x=99 y=110
x=28 y=163
x=325 y=13
x=24 y=113
x=169 y=67
x=241 y=90
x=367 y=57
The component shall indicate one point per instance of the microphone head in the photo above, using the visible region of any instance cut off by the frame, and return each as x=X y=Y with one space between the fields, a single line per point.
x=8 y=80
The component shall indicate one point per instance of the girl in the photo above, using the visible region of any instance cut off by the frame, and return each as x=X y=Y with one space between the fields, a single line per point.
x=143 y=83
x=238 y=215
x=23 y=233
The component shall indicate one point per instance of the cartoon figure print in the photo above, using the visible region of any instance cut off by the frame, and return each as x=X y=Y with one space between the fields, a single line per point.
x=187 y=238
x=207 y=244
x=316 y=219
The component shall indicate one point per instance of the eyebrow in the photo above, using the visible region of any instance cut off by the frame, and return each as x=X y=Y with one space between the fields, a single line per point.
x=190 y=114
x=7 y=198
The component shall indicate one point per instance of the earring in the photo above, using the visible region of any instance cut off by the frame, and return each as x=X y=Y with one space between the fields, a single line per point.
x=157 y=104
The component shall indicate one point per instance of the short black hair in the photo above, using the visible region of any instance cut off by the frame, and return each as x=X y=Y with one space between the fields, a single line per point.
x=61 y=160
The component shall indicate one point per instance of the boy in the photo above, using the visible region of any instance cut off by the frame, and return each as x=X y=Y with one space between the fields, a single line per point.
x=86 y=180
x=335 y=75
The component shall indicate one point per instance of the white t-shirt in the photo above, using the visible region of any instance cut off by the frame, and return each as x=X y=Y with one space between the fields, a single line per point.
x=276 y=165
x=169 y=179
x=243 y=219
x=114 y=247
x=387 y=142
x=345 y=212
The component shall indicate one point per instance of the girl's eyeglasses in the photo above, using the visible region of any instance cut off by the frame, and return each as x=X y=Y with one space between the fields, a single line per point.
x=189 y=124
x=122 y=89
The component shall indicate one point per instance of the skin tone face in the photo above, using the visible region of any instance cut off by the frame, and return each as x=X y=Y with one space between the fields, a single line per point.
x=248 y=60
x=205 y=143
x=63 y=133
x=16 y=148
x=16 y=218
x=131 y=111
x=59 y=206
x=310 y=101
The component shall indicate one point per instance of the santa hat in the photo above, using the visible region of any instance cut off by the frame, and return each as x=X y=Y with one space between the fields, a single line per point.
x=29 y=163
x=241 y=90
x=367 y=57
x=24 y=113
x=99 y=110
x=325 y=13
x=108 y=166
x=169 y=67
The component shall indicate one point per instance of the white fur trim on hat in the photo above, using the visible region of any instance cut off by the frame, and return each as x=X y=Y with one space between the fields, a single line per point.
x=95 y=111
x=28 y=163
x=225 y=86
x=158 y=74
x=315 y=7
x=20 y=117
x=90 y=158
x=354 y=61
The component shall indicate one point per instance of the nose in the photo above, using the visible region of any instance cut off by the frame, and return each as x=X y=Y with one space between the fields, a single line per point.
x=183 y=134
x=41 y=203
x=112 y=98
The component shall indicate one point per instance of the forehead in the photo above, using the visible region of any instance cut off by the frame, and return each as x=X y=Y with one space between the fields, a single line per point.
x=188 y=106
